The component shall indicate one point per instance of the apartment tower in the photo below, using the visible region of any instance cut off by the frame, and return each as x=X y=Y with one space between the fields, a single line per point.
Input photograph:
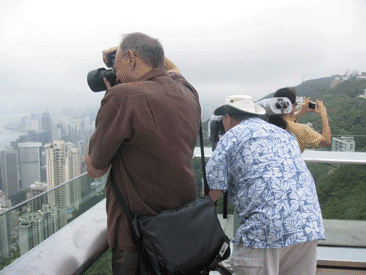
x=30 y=163
x=9 y=178
x=55 y=173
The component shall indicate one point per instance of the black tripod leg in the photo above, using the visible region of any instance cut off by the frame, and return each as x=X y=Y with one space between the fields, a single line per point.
x=225 y=205
x=223 y=270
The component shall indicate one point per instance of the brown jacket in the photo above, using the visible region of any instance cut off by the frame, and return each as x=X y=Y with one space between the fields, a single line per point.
x=147 y=131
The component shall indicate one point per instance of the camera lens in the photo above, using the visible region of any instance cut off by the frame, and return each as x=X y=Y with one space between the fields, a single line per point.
x=95 y=79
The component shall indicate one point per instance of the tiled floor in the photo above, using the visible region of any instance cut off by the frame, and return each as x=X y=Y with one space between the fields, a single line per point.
x=339 y=272
x=324 y=272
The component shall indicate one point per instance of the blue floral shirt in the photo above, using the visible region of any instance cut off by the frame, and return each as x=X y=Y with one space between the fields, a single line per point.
x=269 y=185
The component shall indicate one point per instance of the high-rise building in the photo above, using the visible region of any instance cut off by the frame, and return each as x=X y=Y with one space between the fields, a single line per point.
x=36 y=189
x=8 y=223
x=55 y=163
x=47 y=126
x=29 y=123
x=30 y=163
x=4 y=235
x=73 y=169
x=4 y=227
x=55 y=171
x=9 y=172
x=81 y=146
x=34 y=227
x=73 y=163
x=82 y=129
x=3 y=199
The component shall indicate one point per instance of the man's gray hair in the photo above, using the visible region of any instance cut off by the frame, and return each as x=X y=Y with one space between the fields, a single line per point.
x=241 y=116
x=148 y=49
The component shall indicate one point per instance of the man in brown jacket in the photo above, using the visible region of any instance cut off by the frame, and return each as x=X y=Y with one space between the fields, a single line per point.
x=146 y=130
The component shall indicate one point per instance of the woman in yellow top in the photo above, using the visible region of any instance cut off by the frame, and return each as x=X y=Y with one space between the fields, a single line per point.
x=305 y=135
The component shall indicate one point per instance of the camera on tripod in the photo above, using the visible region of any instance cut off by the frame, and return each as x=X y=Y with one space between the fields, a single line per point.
x=95 y=77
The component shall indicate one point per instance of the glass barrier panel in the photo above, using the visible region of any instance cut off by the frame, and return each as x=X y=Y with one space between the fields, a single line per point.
x=341 y=190
x=26 y=225
x=342 y=195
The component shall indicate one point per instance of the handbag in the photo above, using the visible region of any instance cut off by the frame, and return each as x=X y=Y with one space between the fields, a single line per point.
x=184 y=240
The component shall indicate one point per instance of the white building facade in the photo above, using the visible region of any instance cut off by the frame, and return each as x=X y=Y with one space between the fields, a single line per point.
x=343 y=144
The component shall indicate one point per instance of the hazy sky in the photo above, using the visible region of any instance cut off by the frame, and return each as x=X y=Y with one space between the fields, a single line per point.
x=222 y=47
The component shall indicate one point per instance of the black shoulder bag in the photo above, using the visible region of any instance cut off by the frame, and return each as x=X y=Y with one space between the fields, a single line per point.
x=184 y=240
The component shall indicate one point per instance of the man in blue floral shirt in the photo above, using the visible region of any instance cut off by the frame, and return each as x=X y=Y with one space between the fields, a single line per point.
x=272 y=190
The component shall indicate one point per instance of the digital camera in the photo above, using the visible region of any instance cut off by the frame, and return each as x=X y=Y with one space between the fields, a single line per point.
x=312 y=105
x=95 y=77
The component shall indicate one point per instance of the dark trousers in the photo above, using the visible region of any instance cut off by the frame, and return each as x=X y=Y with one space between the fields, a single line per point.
x=130 y=263
x=127 y=263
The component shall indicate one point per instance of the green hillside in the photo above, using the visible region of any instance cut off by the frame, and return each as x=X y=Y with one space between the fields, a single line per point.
x=341 y=188
x=313 y=86
x=346 y=110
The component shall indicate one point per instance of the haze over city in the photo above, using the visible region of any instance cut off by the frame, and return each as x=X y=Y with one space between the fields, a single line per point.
x=222 y=48
x=47 y=113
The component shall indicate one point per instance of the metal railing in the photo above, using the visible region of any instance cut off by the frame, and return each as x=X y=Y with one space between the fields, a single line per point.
x=78 y=244
x=345 y=244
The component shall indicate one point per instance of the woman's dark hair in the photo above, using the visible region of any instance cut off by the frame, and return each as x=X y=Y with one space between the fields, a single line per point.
x=290 y=93
x=278 y=121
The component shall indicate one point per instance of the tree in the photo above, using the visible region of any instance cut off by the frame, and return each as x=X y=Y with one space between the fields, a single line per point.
x=342 y=194
x=103 y=266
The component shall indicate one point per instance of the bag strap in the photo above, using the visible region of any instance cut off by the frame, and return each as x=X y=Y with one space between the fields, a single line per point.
x=132 y=222
x=122 y=202
x=120 y=198
x=206 y=187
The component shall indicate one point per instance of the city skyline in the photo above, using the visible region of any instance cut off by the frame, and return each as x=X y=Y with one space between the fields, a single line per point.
x=50 y=151
x=24 y=227
x=34 y=165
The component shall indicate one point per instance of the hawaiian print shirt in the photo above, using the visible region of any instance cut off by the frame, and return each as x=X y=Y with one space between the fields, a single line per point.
x=269 y=185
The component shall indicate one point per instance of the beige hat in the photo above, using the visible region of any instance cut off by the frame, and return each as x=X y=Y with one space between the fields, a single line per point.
x=239 y=104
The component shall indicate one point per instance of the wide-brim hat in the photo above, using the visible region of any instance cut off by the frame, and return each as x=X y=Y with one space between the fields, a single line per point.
x=236 y=104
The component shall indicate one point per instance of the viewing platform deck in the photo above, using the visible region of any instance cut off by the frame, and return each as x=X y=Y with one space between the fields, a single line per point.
x=33 y=248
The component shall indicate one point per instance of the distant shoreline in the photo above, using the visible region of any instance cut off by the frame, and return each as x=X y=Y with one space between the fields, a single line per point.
x=8 y=127
x=9 y=131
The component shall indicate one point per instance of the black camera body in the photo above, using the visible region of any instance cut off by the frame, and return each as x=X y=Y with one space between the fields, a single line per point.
x=216 y=130
x=95 y=77
x=312 y=105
